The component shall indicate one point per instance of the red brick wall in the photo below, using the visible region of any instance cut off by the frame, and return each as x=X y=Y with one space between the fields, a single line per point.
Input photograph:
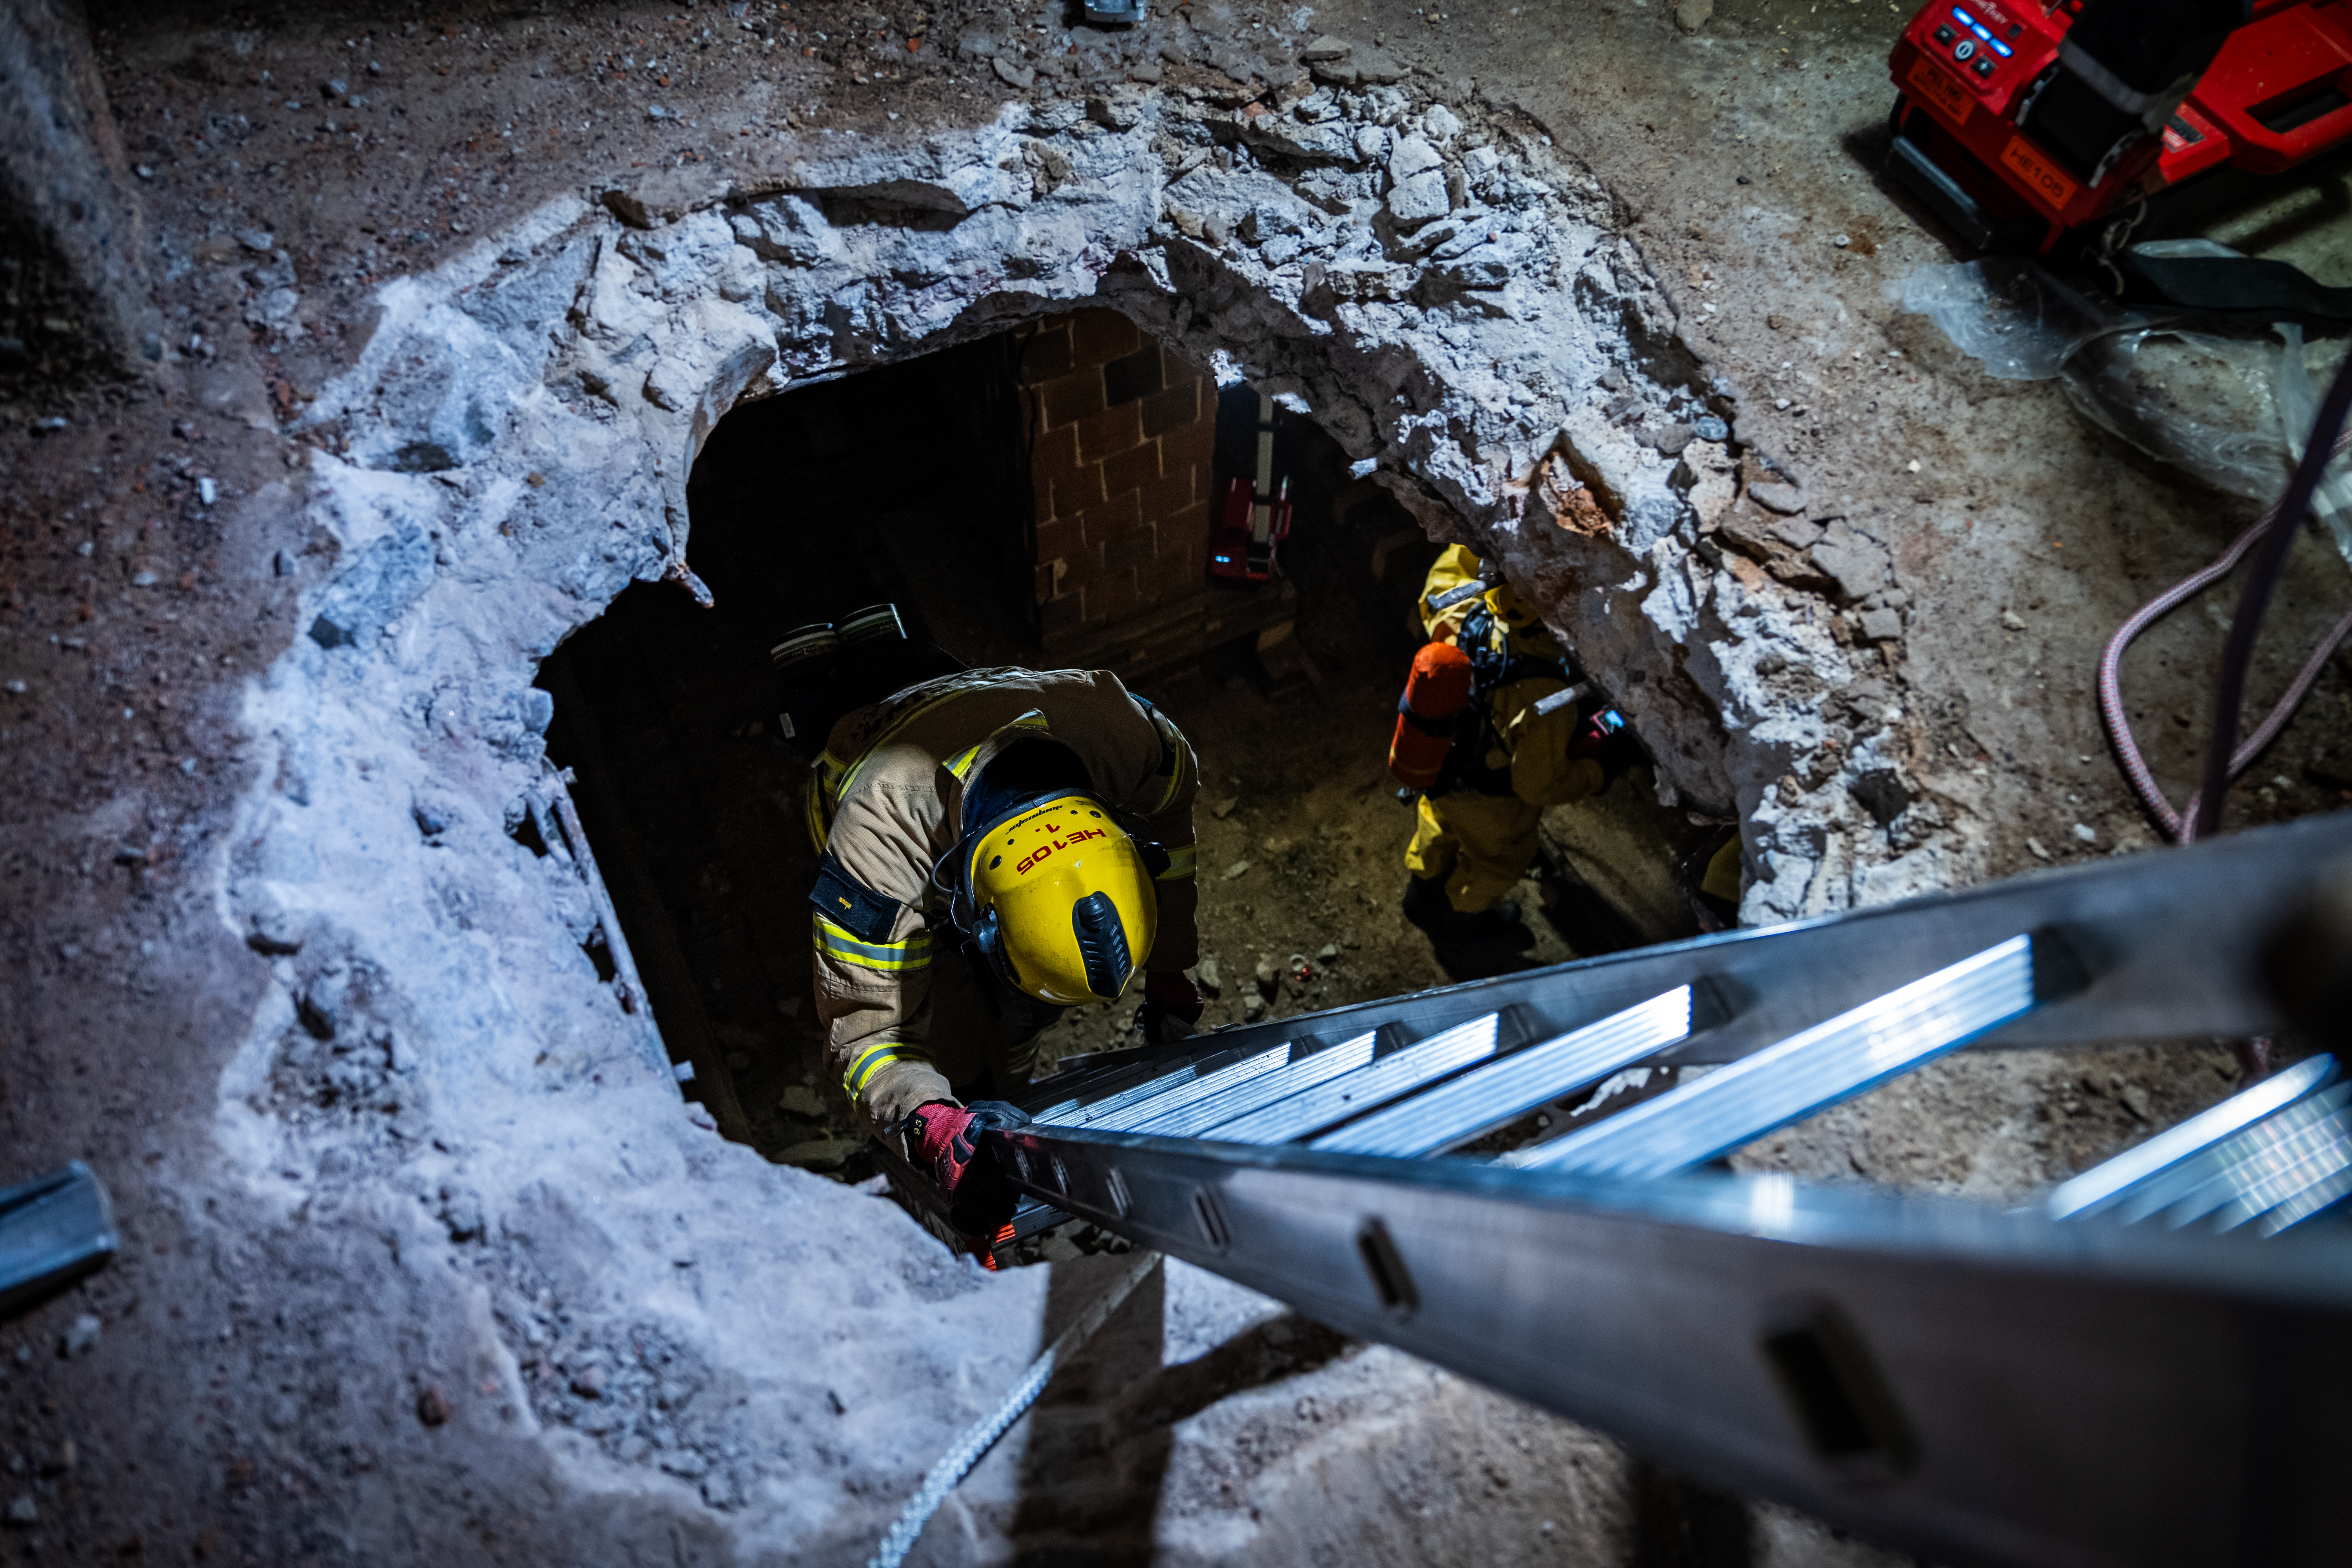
x=1125 y=435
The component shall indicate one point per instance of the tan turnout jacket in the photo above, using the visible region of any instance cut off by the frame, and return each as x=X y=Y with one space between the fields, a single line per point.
x=887 y=804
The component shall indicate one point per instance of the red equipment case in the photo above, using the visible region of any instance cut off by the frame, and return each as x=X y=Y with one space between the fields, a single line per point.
x=1242 y=543
x=2278 y=94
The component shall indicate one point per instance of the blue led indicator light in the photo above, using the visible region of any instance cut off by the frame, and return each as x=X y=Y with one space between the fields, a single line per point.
x=1962 y=17
x=2003 y=50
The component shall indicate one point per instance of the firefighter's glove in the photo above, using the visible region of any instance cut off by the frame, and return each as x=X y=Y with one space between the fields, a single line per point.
x=1611 y=744
x=947 y=1140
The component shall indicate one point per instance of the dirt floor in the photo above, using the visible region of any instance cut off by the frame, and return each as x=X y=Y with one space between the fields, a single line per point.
x=275 y=1372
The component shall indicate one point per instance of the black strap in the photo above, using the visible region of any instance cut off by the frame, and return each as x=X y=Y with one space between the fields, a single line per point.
x=850 y=904
x=1491 y=669
x=2232 y=286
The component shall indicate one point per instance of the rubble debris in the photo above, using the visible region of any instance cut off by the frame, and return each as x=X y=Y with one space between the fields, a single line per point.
x=80 y=1337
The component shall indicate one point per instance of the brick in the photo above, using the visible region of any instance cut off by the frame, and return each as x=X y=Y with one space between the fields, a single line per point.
x=1063 y=536
x=1166 y=411
x=1098 y=336
x=1167 y=495
x=1046 y=356
x=1111 y=431
x=1115 y=596
x=1046 y=575
x=1055 y=452
x=1133 y=377
x=1131 y=470
x=1058 y=618
x=1194 y=446
x=1072 y=492
x=1113 y=518
x=1188 y=529
x=1181 y=564
x=1137 y=548
x=1174 y=368
x=1067 y=399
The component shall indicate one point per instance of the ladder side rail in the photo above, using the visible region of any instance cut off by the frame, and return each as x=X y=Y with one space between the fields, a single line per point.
x=1931 y=1374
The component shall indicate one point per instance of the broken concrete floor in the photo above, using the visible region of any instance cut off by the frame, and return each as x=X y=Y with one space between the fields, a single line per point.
x=421 y=1262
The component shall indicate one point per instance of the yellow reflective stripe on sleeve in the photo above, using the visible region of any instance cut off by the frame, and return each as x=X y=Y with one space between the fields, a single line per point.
x=891 y=957
x=1183 y=750
x=961 y=764
x=1179 y=864
x=874 y=1058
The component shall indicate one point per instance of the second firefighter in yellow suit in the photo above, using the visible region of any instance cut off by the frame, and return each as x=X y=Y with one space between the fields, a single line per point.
x=1475 y=833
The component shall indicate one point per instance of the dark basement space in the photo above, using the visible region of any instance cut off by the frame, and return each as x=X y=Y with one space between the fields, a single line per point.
x=912 y=484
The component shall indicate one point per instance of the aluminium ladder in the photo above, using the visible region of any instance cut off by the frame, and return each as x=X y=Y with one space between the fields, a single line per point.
x=2123 y=1373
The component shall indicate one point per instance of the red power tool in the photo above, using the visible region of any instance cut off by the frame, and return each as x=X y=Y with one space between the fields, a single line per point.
x=2022 y=123
x=1254 y=519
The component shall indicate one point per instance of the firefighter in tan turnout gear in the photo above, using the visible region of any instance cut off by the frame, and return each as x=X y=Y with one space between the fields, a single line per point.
x=996 y=845
x=1493 y=728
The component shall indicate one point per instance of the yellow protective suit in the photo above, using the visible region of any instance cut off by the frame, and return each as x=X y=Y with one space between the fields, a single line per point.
x=1480 y=836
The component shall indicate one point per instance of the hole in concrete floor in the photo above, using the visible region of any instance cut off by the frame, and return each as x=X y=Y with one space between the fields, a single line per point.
x=1040 y=497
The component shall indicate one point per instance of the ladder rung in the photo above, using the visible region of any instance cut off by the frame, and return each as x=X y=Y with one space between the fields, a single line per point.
x=1133 y=1085
x=2189 y=1188
x=2295 y=1183
x=1400 y=1072
x=2272 y=1163
x=2322 y=1194
x=2123 y=1177
x=1806 y=1073
x=1486 y=1098
x=1172 y=1096
x=1240 y=1100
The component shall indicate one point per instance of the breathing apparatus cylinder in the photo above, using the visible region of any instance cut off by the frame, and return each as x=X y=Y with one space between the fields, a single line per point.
x=1436 y=697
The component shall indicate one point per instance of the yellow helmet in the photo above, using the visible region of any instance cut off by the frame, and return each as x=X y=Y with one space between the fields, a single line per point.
x=1062 y=900
x=1521 y=624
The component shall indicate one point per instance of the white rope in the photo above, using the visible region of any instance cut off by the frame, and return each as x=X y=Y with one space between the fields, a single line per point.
x=979 y=1439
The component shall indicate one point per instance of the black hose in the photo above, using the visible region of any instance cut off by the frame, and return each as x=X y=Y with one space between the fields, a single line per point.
x=2262 y=582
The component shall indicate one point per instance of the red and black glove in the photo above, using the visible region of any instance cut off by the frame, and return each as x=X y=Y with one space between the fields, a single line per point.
x=946 y=1140
x=1590 y=736
x=1169 y=993
x=1610 y=745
